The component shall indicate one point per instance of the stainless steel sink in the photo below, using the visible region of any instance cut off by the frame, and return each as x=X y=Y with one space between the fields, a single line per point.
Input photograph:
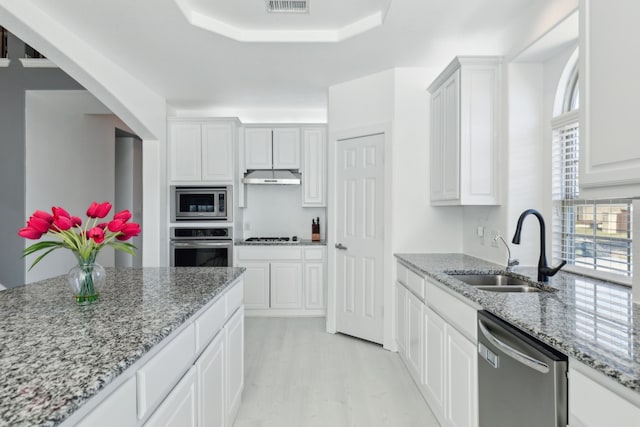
x=498 y=283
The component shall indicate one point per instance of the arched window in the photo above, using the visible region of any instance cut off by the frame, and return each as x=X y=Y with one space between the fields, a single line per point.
x=588 y=234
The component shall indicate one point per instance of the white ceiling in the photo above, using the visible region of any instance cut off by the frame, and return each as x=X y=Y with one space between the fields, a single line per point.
x=196 y=69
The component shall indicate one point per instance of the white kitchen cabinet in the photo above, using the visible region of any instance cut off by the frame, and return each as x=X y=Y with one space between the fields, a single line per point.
x=415 y=322
x=609 y=99
x=272 y=148
x=284 y=280
x=461 y=379
x=401 y=319
x=179 y=409
x=286 y=285
x=465 y=123
x=201 y=151
x=234 y=363
x=433 y=379
x=598 y=401
x=211 y=384
x=256 y=284
x=118 y=409
x=314 y=167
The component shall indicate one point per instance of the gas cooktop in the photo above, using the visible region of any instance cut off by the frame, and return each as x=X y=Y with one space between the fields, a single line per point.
x=276 y=240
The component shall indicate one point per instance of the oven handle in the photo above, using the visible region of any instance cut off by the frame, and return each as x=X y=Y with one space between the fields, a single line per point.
x=512 y=352
x=197 y=244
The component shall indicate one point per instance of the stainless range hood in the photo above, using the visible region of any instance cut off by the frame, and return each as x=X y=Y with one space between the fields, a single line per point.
x=274 y=177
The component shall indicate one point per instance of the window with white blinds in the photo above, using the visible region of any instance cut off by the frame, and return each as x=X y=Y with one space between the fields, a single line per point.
x=593 y=234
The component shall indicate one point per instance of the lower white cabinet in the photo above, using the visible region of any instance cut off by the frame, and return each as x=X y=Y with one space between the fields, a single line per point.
x=179 y=408
x=286 y=285
x=211 y=383
x=441 y=358
x=118 y=409
x=234 y=366
x=285 y=280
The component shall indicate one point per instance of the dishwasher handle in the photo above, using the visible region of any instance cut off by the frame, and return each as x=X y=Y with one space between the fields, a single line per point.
x=512 y=352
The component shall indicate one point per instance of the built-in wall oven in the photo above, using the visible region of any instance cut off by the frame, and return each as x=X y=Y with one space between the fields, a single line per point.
x=201 y=246
x=201 y=203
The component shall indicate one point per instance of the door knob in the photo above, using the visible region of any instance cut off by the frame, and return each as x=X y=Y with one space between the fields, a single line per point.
x=341 y=247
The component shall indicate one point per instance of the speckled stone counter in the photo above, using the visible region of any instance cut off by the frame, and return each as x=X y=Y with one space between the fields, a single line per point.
x=302 y=242
x=593 y=321
x=55 y=354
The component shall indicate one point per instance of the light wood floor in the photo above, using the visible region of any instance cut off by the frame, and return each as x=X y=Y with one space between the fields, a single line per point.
x=298 y=375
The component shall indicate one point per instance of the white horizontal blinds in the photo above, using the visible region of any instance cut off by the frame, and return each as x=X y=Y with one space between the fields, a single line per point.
x=594 y=234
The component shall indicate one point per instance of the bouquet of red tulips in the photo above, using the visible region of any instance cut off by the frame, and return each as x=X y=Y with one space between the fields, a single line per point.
x=84 y=241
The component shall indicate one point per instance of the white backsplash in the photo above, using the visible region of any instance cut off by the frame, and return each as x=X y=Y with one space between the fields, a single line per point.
x=276 y=211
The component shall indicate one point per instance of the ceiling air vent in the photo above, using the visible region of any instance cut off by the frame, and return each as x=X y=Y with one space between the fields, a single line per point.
x=287 y=6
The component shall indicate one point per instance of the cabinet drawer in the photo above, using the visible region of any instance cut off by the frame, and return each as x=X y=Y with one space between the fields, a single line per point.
x=457 y=313
x=402 y=274
x=162 y=372
x=210 y=322
x=234 y=298
x=254 y=253
x=314 y=254
x=119 y=409
x=416 y=284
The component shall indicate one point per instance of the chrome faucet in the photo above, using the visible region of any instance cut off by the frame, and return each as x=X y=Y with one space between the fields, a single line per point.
x=544 y=271
x=510 y=261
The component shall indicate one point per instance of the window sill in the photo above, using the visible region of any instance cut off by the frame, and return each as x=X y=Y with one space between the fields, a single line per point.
x=4 y=62
x=625 y=281
x=37 y=63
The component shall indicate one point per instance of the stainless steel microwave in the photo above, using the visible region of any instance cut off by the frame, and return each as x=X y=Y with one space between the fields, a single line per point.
x=201 y=203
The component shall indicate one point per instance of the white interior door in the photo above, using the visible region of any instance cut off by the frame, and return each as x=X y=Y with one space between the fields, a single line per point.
x=360 y=237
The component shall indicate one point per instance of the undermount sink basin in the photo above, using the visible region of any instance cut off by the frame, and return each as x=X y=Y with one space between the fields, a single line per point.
x=498 y=283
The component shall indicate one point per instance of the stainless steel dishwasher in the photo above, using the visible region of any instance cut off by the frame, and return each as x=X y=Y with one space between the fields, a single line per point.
x=521 y=381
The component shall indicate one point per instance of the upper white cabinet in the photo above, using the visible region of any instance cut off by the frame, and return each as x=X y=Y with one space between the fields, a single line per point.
x=272 y=148
x=201 y=151
x=314 y=167
x=465 y=137
x=609 y=99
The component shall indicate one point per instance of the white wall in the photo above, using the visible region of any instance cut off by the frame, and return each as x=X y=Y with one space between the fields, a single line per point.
x=263 y=214
x=70 y=162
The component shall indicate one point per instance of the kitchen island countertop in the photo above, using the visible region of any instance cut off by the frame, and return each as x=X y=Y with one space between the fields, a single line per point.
x=590 y=320
x=56 y=354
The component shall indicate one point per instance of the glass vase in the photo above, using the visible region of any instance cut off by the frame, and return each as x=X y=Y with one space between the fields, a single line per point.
x=86 y=280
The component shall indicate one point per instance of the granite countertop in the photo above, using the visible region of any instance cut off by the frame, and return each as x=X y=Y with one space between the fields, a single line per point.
x=55 y=354
x=590 y=320
x=301 y=242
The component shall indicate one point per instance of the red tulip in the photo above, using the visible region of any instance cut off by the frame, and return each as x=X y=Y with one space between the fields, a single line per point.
x=43 y=215
x=98 y=210
x=129 y=230
x=63 y=223
x=29 y=233
x=39 y=224
x=59 y=212
x=124 y=215
x=76 y=221
x=97 y=234
x=102 y=225
x=116 y=225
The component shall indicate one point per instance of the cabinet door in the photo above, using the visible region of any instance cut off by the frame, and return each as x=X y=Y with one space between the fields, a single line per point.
x=314 y=285
x=451 y=138
x=286 y=285
x=414 y=335
x=256 y=284
x=211 y=385
x=217 y=152
x=185 y=151
x=461 y=380
x=286 y=148
x=258 y=148
x=437 y=146
x=234 y=341
x=609 y=99
x=401 y=318
x=179 y=408
x=433 y=379
x=314 y=167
